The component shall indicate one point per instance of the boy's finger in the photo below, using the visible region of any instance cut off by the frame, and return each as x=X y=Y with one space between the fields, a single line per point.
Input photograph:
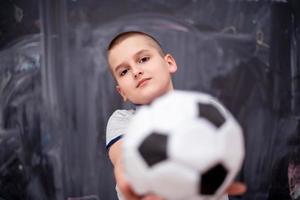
x=152 y=197
x=129 y=194
x=236 y=188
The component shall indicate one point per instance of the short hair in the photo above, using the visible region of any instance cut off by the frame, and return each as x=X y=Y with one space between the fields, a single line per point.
x=124 y=35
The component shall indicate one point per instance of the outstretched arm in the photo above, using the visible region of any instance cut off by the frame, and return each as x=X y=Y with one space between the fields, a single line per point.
x=115 y=157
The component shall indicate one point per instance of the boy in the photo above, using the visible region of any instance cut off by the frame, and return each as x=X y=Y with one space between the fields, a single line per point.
x=143 y=72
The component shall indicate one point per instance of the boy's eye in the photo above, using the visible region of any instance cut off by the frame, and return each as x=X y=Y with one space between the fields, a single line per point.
x=144 y=59
x=123 y=72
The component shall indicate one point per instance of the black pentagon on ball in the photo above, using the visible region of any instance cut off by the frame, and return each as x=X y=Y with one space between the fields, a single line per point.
x=211 y=113
x=154 y=148
x=211 y=180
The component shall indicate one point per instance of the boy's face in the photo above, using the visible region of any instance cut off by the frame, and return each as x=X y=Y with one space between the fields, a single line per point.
x=141 y=72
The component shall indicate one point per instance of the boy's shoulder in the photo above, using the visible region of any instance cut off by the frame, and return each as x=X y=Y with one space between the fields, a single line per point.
x=117 y=125
x=121 y=114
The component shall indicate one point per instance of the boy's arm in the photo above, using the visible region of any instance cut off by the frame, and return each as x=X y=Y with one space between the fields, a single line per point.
x=122 y=184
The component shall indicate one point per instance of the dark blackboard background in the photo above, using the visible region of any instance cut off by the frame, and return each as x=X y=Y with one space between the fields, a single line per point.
x=56 y=92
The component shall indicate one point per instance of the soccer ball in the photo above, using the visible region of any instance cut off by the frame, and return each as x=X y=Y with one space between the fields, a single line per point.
x=183 y=146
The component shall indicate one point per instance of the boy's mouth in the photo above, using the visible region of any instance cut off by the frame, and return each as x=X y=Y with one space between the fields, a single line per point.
x=142 y=81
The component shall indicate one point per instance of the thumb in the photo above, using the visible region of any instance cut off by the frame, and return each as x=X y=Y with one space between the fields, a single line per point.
x=236 y=188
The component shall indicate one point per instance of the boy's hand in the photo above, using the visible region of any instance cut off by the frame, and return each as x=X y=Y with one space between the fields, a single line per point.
x=125 y=188
x=152 y=197
x=236 y=188
x=122 y=184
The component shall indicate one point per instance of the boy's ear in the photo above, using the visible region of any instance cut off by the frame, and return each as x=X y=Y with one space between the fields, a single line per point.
x=121 y=93
x=171 y=62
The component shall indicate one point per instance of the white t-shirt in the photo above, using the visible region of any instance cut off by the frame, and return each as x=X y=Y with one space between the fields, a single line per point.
x=117 y=126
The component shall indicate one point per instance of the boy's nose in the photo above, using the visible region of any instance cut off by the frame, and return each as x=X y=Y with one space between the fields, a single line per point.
x=137 y=73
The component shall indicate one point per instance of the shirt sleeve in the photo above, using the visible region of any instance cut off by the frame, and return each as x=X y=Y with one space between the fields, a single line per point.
x=117 y=126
